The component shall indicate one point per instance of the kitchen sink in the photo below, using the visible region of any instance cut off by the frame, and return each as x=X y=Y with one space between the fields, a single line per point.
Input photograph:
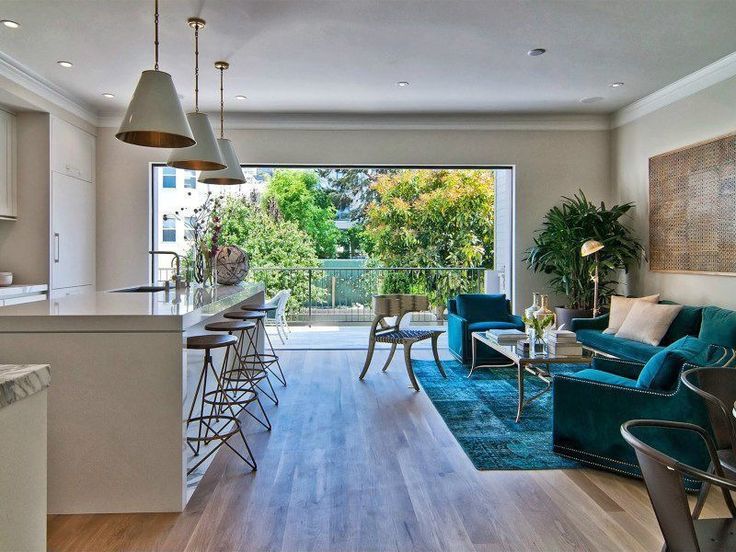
x=142 y=289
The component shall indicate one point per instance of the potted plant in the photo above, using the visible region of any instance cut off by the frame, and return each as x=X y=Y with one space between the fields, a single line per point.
x=556 y=252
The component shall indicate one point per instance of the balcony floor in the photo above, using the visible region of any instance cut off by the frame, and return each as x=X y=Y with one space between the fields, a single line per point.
x=350 y=337
x=371 y=466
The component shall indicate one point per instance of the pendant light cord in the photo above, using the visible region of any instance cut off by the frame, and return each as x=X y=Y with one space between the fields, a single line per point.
x=222 y=103
x=196 y=68
x=155 y=36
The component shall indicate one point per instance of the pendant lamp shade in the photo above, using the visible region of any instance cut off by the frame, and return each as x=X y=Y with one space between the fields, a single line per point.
x=155 y=117
x=205 y=154
x=232 y=175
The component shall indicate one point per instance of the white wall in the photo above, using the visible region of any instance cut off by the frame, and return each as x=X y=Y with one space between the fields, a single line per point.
x=707 y=114
x=550 y=163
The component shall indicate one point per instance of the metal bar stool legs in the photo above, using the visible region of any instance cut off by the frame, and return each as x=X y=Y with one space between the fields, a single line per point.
x=237 y=376
x=220 y=423
x=258 y=313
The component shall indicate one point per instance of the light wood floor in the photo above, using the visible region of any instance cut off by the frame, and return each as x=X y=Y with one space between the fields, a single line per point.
x=369 y=466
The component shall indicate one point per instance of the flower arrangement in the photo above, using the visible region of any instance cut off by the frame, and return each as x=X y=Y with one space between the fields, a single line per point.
x=203 y=227
x=539 y=324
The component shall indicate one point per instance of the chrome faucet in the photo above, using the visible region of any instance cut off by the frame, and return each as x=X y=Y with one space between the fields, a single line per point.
x=178 y=280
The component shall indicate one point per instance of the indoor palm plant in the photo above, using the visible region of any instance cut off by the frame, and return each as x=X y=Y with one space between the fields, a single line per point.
x=556 y=251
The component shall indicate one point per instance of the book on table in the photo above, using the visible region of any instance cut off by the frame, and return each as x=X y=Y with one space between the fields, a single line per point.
x=505 y=337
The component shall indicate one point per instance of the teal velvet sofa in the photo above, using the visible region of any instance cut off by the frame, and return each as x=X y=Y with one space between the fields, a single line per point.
x=643 y=382
x=477 y=312
x=589 y=332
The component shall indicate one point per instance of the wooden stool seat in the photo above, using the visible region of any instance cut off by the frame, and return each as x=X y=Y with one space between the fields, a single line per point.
x=244 y=315
x=214 y=341
x=254 y=315
x=259 y=308
x=229 y=326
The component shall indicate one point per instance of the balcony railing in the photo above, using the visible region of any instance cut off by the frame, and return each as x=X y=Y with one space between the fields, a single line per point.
x=343 y=295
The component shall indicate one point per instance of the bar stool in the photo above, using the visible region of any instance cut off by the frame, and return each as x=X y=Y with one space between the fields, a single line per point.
x=238 y=374
x=217 y=426
x=253 y=362
x=267 y=360
x=264 y=309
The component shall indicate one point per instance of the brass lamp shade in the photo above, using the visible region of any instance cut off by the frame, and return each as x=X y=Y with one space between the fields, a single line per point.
x=231 y=175
x=590 y=247
x=154 y=117
x=205 y=154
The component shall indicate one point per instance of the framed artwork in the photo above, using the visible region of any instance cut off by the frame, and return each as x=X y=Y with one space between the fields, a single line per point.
x=692 y=208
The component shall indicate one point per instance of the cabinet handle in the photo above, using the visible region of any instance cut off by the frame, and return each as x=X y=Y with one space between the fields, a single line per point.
x=56 y=247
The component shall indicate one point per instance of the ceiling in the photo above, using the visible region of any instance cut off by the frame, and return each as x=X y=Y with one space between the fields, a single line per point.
x=347 y=56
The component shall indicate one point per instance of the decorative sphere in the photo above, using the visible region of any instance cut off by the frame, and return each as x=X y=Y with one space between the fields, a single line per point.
x=232 y=265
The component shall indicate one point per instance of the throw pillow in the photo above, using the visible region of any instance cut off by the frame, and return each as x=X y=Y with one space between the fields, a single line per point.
x=718 y=327
x=648 y=322
x=620 y=307
x=663 y=369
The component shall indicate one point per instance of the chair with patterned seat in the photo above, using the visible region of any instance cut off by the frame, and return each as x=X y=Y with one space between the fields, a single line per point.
x=397 y=306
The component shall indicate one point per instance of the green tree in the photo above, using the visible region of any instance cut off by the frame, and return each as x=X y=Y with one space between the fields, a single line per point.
x=270 y=243
x=299 y=199
x=433 y=218
x=352 y=189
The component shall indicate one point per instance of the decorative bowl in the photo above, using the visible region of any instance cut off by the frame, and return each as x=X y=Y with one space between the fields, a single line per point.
x=6 y=278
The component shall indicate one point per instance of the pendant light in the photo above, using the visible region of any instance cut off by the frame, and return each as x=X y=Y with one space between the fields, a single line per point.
x=205 y=155
x=154 y=117
x=233 y=174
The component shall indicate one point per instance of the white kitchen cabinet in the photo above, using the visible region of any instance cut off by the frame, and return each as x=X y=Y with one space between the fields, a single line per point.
x=72 y=150
x=72 y=232
x=8 y=195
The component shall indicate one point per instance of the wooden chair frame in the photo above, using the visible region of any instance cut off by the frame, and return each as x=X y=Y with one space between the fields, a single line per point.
x=397 y=306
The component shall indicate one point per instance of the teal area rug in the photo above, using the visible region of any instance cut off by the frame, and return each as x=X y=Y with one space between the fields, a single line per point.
x=480 y=413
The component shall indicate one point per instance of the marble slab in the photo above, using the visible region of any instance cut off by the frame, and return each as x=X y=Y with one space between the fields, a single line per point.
x=18 y=381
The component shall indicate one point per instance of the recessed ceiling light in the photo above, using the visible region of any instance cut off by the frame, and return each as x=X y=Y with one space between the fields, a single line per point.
x=536 y=52
x=108 y=95
x=10 y=24
x=591 y=99
x=616 y=84
x=402 y=84
x=240 y=97
x=65 y=64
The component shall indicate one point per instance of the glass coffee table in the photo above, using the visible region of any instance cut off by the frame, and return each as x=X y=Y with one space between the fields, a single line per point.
x=538 y=364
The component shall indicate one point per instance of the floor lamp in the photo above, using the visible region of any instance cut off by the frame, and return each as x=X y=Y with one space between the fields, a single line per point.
x=592 y=247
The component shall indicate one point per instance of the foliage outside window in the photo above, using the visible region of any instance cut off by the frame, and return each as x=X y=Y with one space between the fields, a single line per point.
x=432 y=218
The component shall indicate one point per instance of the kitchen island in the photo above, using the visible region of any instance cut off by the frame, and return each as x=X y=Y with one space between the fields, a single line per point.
x=117 y=409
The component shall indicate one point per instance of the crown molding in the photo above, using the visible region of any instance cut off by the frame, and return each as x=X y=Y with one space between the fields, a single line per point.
x=388 y=121
x=35 y=83
x=718 y=71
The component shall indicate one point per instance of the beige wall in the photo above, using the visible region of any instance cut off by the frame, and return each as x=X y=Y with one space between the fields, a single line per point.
x=707 y=114
x=549 y=163
x=24 y=243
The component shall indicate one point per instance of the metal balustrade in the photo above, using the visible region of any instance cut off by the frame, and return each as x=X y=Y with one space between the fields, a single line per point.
x=343 y=295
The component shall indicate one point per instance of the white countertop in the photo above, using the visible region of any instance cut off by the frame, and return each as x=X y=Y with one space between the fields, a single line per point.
x=19 y=290
x=174 y=308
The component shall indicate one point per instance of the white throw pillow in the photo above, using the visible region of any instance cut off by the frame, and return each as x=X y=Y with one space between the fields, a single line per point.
x=648 y=322
x=620 y=307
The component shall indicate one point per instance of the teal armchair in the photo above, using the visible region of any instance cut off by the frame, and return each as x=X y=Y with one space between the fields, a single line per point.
x=477 y=312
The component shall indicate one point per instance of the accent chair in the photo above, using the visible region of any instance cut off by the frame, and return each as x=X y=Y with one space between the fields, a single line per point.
x=478 y=312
